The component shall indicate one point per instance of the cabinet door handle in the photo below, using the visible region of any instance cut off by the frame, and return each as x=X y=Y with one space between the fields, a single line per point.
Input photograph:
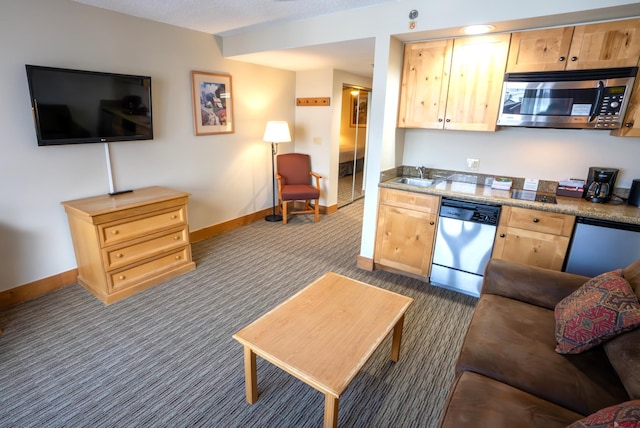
x=439 y=119
x=502 y=235
x=574 y=58
x=432 y=222
x=535 y=220
x=561 y=59
x=448 y=120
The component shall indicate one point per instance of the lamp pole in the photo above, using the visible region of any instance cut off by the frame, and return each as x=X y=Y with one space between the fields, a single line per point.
x=273 y=217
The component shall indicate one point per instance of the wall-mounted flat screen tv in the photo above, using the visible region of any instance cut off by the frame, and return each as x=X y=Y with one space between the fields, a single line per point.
x=76 y=106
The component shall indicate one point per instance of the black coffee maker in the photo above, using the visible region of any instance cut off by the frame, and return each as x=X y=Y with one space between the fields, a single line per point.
x=600 y=184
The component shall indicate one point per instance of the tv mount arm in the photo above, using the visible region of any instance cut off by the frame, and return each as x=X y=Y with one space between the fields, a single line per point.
x=112 y=190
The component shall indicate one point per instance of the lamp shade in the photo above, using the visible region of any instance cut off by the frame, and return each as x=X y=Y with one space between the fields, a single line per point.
x=277 y=131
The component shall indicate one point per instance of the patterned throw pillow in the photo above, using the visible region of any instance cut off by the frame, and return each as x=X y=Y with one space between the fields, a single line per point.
x=625 y=414
x=602 y=308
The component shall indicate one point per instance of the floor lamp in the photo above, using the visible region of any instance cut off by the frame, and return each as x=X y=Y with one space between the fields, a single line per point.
x=277 y=131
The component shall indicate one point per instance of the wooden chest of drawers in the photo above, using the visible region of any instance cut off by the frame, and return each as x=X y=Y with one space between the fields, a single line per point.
x=129 y=242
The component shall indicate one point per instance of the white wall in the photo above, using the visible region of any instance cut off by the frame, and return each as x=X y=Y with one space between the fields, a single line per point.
x=547 y=154
x=228 y=175
x=313 y=128
x=318 y=128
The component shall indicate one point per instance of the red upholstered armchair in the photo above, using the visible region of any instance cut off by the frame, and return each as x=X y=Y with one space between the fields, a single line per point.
x=294 y=184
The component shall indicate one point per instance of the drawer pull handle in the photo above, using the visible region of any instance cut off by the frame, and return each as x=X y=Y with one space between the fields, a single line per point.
x=177 y=238
x=121 y=277
x=173 y=217
x=178 y=257
x=535 y=220
x=119 y=255
x=115 y=232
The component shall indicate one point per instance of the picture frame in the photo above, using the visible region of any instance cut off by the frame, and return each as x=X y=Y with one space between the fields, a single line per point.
x=212 y=103
x=359 y=110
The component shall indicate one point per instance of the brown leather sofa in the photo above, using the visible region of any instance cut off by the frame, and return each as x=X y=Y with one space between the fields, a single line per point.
x=508 y=373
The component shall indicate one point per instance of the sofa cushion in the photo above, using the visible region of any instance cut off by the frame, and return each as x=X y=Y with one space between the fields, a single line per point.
x=602 y=308
x=632 y=274
x=624 y=353
x=513 y=342
x=479 y=401
x=625 y=414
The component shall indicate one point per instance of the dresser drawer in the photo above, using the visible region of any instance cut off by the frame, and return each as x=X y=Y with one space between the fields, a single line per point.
x=537 y=221
x=120 y=257
x=115 y=232
x=133 y=275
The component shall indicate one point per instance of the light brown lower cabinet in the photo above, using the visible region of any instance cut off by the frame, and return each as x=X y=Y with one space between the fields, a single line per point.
x=129 y=242
x=406 y=232
x=533 y=237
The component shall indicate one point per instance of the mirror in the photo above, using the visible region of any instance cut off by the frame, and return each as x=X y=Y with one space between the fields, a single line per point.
x=353 y=142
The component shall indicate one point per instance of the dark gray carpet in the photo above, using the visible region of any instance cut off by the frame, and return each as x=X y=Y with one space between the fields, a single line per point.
x=165 y=357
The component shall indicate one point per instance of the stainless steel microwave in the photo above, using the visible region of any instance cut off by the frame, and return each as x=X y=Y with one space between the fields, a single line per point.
x=595 y=99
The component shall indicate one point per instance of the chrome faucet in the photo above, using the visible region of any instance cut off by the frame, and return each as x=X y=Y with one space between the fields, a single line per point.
x=421 y=170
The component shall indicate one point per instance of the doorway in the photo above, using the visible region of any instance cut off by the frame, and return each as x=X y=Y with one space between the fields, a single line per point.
x=353 y=143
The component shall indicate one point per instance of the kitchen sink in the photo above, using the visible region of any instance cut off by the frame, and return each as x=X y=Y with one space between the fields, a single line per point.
x=530 y=195
x=420 y=182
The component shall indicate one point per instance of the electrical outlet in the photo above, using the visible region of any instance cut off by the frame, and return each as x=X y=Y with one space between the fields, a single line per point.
x=473 y=164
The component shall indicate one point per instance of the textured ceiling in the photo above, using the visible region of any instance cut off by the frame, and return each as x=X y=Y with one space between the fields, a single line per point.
x=220 y=16
x=228 y=16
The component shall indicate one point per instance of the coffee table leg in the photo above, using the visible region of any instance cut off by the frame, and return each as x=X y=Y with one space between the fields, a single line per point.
x=397 y=338
x=250 y=375
x=331 y=411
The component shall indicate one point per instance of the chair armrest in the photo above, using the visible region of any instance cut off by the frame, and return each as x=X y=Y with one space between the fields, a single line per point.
x=317 y=177
x=279 y=179
x=529 y=284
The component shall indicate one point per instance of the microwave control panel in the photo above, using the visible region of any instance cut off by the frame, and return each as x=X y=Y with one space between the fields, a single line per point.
x=609 y=114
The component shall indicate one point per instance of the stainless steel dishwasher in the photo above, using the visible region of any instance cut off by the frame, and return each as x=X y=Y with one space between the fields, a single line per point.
x=464 y=241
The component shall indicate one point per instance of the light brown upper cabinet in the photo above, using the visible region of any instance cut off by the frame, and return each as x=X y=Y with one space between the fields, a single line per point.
x=604 y=45
x=453 y=84
x=425 y=80
x=539 y=50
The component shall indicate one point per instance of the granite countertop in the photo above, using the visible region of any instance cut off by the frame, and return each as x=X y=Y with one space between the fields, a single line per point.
x=612 y=211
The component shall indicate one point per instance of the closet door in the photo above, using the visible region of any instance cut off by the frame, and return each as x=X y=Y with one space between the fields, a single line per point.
x=353 y=139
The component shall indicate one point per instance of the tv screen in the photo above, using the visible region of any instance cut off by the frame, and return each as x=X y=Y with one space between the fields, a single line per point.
x=75 y=106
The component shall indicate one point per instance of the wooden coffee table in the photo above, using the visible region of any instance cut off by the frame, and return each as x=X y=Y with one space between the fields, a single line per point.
x=323 y=335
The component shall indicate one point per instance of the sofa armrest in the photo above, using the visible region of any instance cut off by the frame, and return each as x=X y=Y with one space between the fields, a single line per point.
x=529 y=284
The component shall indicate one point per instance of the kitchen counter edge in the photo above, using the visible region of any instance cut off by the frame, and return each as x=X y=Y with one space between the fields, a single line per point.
x=579 y=207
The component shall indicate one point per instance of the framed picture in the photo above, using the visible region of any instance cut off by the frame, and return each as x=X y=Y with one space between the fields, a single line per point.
x=212 y=103
x=359 y=109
